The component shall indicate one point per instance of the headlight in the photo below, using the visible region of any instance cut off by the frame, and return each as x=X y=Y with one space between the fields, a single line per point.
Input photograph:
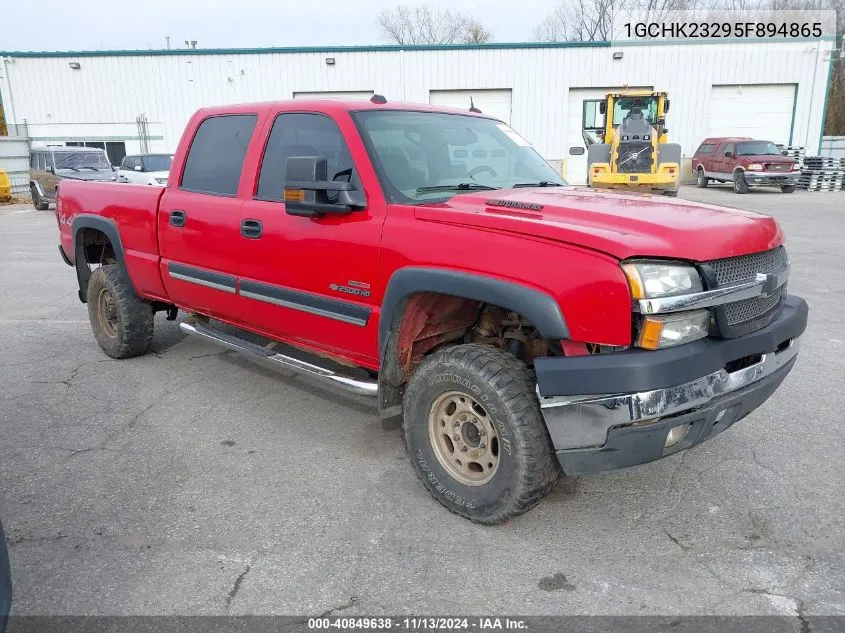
x=652 y=280
x=755 y=167
x=658 y=332
x=796 y=167
x=161 y=181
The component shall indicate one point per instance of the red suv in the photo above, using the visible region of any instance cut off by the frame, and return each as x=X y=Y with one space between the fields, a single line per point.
x=744 y=162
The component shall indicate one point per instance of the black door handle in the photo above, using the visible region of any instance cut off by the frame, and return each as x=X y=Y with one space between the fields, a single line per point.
x=251 y=229
x=177 y=217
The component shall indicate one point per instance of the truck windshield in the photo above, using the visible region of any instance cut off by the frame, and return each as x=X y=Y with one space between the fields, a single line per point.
x=757 y=148
x=157 y=162
x=81 y=160
x=622 y=107
x=430 y=156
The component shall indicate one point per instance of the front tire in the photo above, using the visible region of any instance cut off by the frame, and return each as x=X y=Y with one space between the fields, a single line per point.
x=701 y=181
x=740 y=184
x=475 y=434
x=121 y=321
x=787 y=188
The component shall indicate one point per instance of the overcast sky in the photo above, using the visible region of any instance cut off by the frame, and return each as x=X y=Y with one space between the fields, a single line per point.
x=143 y=24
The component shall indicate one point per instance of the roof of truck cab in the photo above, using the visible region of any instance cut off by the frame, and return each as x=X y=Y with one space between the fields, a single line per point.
x=727 y=139
x=66 y=148
x=335 y=105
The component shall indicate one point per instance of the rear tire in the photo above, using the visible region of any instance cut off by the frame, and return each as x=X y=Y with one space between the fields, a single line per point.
x=701 y=181
x=788 y=188
x=740 y=184
x=121 y=321
x=37 y=201
x=475 y=434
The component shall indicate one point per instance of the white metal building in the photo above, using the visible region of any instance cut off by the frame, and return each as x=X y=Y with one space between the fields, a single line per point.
x=770 y=90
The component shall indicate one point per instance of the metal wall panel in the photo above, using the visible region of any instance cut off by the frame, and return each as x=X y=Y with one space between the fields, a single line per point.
x=106 y=94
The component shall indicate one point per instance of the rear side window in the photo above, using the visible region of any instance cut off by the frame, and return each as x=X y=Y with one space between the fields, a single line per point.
x=706 y=148
x=216 y=157
x=296 y=134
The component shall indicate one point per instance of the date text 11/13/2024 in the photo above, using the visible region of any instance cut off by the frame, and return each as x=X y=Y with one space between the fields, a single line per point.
x=418 y=623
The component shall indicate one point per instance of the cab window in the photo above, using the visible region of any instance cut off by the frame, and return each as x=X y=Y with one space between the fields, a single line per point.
x=299 y=134
x=216 y=156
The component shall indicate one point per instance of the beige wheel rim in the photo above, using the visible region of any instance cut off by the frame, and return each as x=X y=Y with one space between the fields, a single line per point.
x=464 y=438
x=107 y=311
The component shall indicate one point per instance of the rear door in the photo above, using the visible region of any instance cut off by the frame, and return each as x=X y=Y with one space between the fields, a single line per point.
x=310 y=279
x=714 y=164
x=199 y=228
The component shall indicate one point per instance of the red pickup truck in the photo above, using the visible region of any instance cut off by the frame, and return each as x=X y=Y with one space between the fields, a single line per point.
x=429 y=258
x=745 y=163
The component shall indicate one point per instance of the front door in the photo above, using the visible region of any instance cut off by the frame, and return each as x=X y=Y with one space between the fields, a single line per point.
x=199 y=229
x=311 y=280
x=722 y=164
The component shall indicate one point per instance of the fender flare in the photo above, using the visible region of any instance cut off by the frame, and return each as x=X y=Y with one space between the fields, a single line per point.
x=109 y=229
x=538 y=307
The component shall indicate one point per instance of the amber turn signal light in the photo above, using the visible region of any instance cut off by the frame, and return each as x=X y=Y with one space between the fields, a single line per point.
x=295 y=195
x=633 y=275
x=650 y=333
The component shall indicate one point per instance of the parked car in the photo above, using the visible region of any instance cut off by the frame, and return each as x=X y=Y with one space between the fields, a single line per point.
x=48 y=166
x=5 y=581
x=745 y=162
x=145 y=169
x=521 y=327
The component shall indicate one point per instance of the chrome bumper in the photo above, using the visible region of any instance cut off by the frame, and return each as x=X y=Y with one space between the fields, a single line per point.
x=584 y=421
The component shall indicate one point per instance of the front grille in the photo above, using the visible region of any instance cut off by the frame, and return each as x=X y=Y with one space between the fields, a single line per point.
x=742 y=311
x=634 y=157
x=732 y=270
x=778 y=166
x=741 y=317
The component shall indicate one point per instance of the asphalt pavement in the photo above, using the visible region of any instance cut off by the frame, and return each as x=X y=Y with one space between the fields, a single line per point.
x=191 y=481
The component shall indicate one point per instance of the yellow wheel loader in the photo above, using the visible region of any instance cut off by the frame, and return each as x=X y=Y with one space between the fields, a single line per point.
x=631 y=149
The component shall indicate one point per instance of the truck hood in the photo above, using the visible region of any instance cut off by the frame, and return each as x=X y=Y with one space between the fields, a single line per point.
x=621 y=225
x=766 y=158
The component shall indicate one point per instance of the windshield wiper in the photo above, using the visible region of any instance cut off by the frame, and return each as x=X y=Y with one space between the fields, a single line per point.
x=464 y=186
x=542 y=183
x=66 y=167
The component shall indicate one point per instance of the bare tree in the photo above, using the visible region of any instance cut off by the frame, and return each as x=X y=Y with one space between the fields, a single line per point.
x=476 y=33
x=424 y=24
x=577 y=20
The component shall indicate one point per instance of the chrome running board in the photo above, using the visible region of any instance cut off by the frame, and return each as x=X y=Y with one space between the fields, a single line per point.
x=279 y=361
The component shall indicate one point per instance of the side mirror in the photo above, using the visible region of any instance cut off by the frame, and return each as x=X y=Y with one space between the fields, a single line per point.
x=602 y=108
x=666 y=103
x=138 y=168
x=785 y=153
x=309 y=193
x=729 y=154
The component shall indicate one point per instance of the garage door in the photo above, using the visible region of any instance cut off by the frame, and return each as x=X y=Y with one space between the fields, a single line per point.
x=759 y=111
x=347 y=94
x=496 y=103
x=576 y=115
